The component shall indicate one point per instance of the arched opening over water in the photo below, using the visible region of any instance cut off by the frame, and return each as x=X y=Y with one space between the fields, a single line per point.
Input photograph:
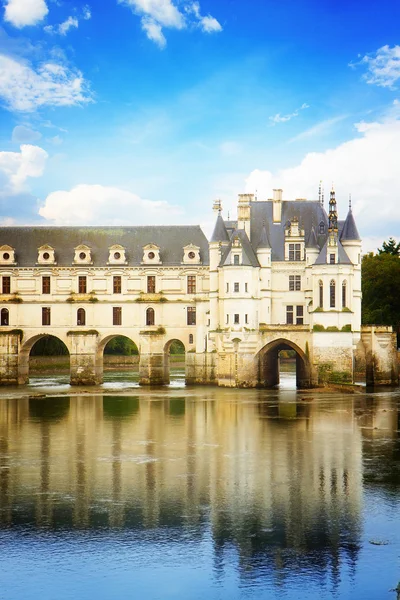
x=120 y=357
x=44 y=357
x=174 y=360
x=269 y=362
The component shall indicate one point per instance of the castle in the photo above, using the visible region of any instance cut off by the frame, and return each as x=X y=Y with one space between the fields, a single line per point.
x=285 y=275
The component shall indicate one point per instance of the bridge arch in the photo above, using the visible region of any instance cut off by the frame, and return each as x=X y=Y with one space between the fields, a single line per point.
x=25 y=353
x=167 y=355
x=268 y=364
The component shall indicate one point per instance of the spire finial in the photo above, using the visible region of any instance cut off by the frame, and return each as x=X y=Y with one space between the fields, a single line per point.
x=349 y=201
x=320 y=192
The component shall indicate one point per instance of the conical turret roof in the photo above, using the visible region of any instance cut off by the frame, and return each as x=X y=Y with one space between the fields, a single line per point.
x=220 y=233
x=349 y=231
x=312 y=240
x=264 y=240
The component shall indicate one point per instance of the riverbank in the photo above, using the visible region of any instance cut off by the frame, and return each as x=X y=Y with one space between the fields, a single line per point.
x=51 y=365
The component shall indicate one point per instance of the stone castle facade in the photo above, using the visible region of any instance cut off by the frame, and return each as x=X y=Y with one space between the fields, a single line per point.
x=285 y=275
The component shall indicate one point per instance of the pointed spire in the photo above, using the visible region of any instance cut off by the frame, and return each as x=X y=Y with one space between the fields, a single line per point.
x=264 y=241
x=349 y=201
x=312 y=240
x=349 y=231
x=220 y=233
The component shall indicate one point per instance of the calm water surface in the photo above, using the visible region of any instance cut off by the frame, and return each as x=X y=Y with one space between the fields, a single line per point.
x=197 y=493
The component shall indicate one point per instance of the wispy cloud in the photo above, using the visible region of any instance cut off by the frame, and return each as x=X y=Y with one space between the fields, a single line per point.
x=319 y=129
x=25 y=89
x=278 y=118
x=157 y=15
x=383 y=66
x=21 y=13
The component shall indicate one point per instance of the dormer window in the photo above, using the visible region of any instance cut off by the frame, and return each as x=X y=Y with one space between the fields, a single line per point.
x=7 y=255
x=116 y=255
x=46 y=255
x=191 y=254
x=322 y=227
x=151 y=255
x=236 y=259
x=83 y=255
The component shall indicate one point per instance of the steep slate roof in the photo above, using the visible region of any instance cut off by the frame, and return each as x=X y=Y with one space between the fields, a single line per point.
x=170 y=239
x=312 y=240
x=349 y=231
x=249 y=258
x=343 y=259
x=309 y=213
x=220 y=233
x=264 y=241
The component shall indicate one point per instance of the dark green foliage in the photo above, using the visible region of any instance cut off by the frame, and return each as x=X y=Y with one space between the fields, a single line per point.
x=177 y=347
x=121 y=346
x=49 y=346
x=381 y=289
x=390 y=247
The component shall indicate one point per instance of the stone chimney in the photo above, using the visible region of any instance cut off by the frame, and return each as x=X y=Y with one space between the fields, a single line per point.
x=277 y=206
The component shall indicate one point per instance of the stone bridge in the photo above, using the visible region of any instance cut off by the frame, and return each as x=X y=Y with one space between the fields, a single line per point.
x=232 y=357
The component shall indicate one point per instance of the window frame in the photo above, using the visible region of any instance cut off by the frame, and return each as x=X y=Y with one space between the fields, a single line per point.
x=294 y=251
x=151 y=284
x=150 y=316
x=46 y=284
x=82 y=284
x=236 y=287
x=191 y=284
x=117 y=315
x=332 y=294
x=79 y=320
x=289 y=314
x=294 y=283
x=117 y=284
x=4 y=317
x=191 y=315
x=46 y=316
x=6 y=284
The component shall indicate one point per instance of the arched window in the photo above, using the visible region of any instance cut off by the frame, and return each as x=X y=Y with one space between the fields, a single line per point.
x=332 y=294
x=190 y=338
x=4 y=319
x=150 y=316
x=322 y=227
x=81 y=316
x=321 y=294
x=344 y=294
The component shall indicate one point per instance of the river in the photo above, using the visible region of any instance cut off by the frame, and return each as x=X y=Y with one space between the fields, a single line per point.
x=197 y=493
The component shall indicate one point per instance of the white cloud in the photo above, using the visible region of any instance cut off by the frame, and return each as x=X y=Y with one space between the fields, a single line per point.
x=24 y=89
x=319 y=129
x=16 y=167
x=383 y=67
x=87 y=13
x=55 y=140
x=21 y=13
x=278 y=118
x=366 y=167
x=22 y=134
x=64 y=27
x=158 y=14
x=154 y=32
x=103 y=205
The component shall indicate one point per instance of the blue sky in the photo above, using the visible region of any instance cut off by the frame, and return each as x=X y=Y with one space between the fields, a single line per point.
x=145 y=111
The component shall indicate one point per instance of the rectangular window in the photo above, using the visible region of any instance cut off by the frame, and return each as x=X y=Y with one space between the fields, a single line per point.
x=45 y=315
x=117 y=315
x=245 y=287
x=227 y=319
x=246 y=319
x=294 y=251
x=151 y=284
x=191 y=284
x=344 y=300
x=294 y=283
x=6 y=285
x=299 y=315
x=236 y=259
x=227 y=287
x=45 y=284
x=117 y=284
x=332 y=295
x=236 y=286
x=289 y=315
x=191 y=315
x=236 y=319
x=332 y=259
x=82 y=284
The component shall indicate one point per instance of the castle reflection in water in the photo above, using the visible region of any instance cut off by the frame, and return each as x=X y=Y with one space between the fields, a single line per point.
x=279 y=483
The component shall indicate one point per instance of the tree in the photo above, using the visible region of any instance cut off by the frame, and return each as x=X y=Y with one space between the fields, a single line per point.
x=121 y=346
x=390 y=247
x=381 y=289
